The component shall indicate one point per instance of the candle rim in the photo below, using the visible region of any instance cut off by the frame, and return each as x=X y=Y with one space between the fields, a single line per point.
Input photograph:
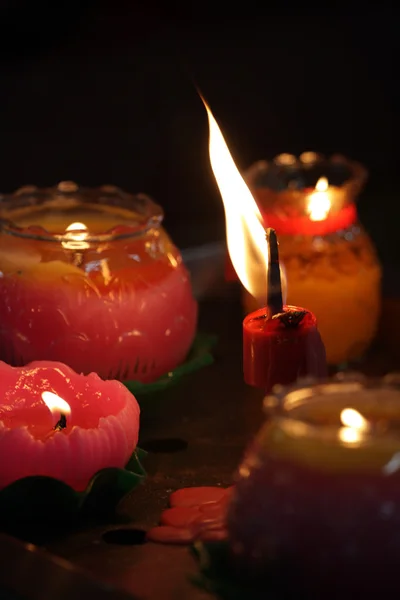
x=277 y=405
x=151 y=214
x=358 y=175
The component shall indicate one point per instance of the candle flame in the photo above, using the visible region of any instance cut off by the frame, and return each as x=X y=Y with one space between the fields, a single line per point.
x=322 y=184
x=354 y=425
x=75 y=236
x=55 y=404
x=81 y=227
x=245 y=232
x=319 y=203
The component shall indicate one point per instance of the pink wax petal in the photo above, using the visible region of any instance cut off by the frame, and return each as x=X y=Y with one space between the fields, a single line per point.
x=170 y=535
x=180 y=516
x=102 y=430
x=214 y=508
x=213 y=535
x=205 y=522
x=196 y=496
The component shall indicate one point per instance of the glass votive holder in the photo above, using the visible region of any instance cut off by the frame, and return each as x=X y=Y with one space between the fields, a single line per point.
x=330 y=263
x=90 y=278
x=319 y=487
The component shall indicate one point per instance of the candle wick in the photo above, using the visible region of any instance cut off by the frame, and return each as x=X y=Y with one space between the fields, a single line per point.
x=77 y=259
x=61 y=423
x=274 y=291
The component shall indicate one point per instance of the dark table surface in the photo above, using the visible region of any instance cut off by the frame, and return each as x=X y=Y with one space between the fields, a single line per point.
x=195 y=434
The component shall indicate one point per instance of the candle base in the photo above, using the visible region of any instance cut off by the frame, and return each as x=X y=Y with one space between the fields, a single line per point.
x=200 y=356
x=40 y=503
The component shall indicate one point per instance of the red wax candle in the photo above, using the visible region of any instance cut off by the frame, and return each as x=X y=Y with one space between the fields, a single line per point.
x=280 y=343
x=281 y=348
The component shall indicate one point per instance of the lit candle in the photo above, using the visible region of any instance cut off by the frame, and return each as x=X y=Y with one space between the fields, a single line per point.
x=280 y=343
x=319 y=203
x=57 y=423
x=320 y=484
x=90 y=278
x=330 y=263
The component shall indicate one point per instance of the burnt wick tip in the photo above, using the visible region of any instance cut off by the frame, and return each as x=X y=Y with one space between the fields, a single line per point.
x=274 y=293
x=61 y=423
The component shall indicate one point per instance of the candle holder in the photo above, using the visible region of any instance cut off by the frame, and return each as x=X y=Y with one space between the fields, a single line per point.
x=89 y=277
x=320 y=486
x=331 y=265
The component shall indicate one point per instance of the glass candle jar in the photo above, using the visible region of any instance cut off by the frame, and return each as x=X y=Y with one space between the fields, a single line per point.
x=331 y=265
x=320 y=485
x=89 y=277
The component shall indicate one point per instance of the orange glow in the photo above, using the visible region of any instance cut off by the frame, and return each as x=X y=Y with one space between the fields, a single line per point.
x=319 y=203
x=245 y=231
x=55 y=404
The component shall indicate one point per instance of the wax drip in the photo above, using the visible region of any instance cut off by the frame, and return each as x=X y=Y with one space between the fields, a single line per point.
x=61 y=423
x=274 y=294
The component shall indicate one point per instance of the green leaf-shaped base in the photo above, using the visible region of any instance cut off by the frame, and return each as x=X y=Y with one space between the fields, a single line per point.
x=46 y=501
x=199 y=356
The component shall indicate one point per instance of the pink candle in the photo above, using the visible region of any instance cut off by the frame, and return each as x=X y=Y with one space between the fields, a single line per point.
x=89 y=278
x=57 y=423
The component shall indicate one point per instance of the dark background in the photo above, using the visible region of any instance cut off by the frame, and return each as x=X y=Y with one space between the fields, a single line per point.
x=103 y=92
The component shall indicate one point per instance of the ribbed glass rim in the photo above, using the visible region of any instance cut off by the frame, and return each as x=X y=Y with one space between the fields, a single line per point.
x=151 y=212
x=281 y=404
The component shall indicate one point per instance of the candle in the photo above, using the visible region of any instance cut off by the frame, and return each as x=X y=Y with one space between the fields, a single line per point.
x=90 y=278
x=330 y=264
x=320 y=484
x=57 y=423
x=280 y=343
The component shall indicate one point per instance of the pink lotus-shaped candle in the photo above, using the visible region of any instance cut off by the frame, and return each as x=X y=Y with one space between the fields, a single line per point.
x=57 y=423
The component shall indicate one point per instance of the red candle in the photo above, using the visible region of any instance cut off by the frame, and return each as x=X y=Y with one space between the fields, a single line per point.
x=280 y=343
x=281 y=348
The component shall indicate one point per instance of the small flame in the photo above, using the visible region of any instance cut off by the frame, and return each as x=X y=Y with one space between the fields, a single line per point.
x=55 y=404
x=245 y=231
x=354 y=425
x=75 y=236
x=322 y=184
x=319 y=203
x=81 y=227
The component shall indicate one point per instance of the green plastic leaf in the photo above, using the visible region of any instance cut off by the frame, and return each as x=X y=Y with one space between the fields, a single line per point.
x=39 y=499
x=200 y=356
